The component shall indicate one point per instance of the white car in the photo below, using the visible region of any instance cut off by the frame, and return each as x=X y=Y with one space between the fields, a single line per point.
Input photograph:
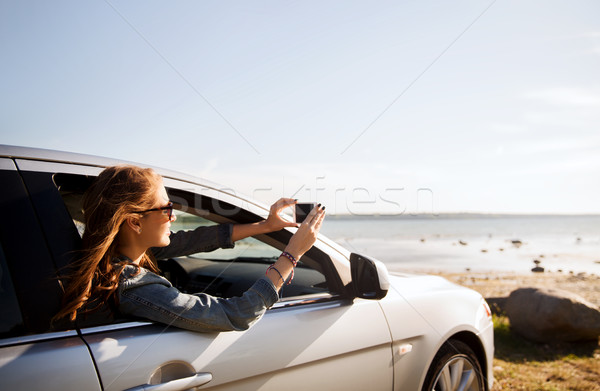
x=345 y=323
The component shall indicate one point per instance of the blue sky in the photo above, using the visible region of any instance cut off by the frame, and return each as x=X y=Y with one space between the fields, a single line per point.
x=368 y=107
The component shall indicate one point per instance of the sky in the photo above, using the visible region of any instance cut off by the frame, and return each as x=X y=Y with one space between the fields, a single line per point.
x=386 y=107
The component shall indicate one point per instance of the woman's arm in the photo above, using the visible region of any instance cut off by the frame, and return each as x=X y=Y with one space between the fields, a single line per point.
x=273 y=223
x=201 y=239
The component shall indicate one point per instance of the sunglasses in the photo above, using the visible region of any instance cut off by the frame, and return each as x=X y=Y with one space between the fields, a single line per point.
x=167 y=210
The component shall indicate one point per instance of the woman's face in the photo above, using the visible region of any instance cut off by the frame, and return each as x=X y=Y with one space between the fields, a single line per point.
x=155 y=225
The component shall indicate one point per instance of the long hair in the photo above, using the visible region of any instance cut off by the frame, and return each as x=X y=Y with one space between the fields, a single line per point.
x=118 y=193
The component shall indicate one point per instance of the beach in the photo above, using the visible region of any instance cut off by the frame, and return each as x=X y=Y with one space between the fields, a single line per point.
x=497 y=285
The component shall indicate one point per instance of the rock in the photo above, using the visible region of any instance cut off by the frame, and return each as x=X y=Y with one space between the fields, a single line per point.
x=538 y=269
x=462 y=242
x=552 y=315
x=516 y=242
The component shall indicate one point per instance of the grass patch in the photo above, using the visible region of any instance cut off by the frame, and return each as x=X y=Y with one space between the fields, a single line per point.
x=523 y=365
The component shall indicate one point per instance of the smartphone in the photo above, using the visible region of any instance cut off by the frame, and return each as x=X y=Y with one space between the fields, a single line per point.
x=302 y=210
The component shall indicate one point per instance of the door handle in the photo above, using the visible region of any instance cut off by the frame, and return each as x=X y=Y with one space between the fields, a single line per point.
x=177 y=385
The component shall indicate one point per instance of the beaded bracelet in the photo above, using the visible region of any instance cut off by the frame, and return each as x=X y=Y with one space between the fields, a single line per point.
x=272 y=267
x=290 y=257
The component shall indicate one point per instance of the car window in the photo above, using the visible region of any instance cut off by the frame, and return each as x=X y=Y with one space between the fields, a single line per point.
x=11 y=320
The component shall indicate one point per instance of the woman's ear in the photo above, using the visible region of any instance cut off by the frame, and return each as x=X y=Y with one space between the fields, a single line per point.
x=134 y=224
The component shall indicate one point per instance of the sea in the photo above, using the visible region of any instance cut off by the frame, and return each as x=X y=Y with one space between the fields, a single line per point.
x=473 y=242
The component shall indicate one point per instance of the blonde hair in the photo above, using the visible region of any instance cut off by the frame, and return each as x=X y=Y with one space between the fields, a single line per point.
x=118 y=193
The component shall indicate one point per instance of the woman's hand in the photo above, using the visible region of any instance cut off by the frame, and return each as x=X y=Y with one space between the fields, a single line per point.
x=275 y=222
x=306 y=235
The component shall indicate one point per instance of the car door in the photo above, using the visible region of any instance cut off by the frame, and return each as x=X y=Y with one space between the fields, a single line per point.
x=31 y=355
x=322 y=341
x=337 y=345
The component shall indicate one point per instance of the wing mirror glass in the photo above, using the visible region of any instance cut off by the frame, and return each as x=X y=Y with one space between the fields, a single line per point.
x=370 y=278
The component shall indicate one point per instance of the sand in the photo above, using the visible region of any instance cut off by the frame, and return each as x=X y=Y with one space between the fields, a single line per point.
x=500 y=284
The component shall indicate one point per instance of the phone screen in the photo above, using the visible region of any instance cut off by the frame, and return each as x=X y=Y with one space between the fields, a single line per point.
x=302 y=210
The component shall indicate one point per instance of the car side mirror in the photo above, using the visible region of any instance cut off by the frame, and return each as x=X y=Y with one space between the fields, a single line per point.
x=370 y=278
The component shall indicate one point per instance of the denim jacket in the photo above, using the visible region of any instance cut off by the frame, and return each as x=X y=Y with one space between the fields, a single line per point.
x=151 y=296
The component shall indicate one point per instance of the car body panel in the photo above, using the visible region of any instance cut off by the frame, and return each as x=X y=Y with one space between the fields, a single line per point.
x=63 y=364
x=438 y=310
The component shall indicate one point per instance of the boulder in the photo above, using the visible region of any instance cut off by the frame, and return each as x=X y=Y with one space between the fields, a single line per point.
x=552 y=315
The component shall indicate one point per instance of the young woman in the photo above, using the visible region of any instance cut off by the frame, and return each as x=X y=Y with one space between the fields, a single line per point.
x=128 y=215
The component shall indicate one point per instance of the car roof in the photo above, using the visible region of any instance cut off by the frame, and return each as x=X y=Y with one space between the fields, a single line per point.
x=49 y=155
x=16 y=152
